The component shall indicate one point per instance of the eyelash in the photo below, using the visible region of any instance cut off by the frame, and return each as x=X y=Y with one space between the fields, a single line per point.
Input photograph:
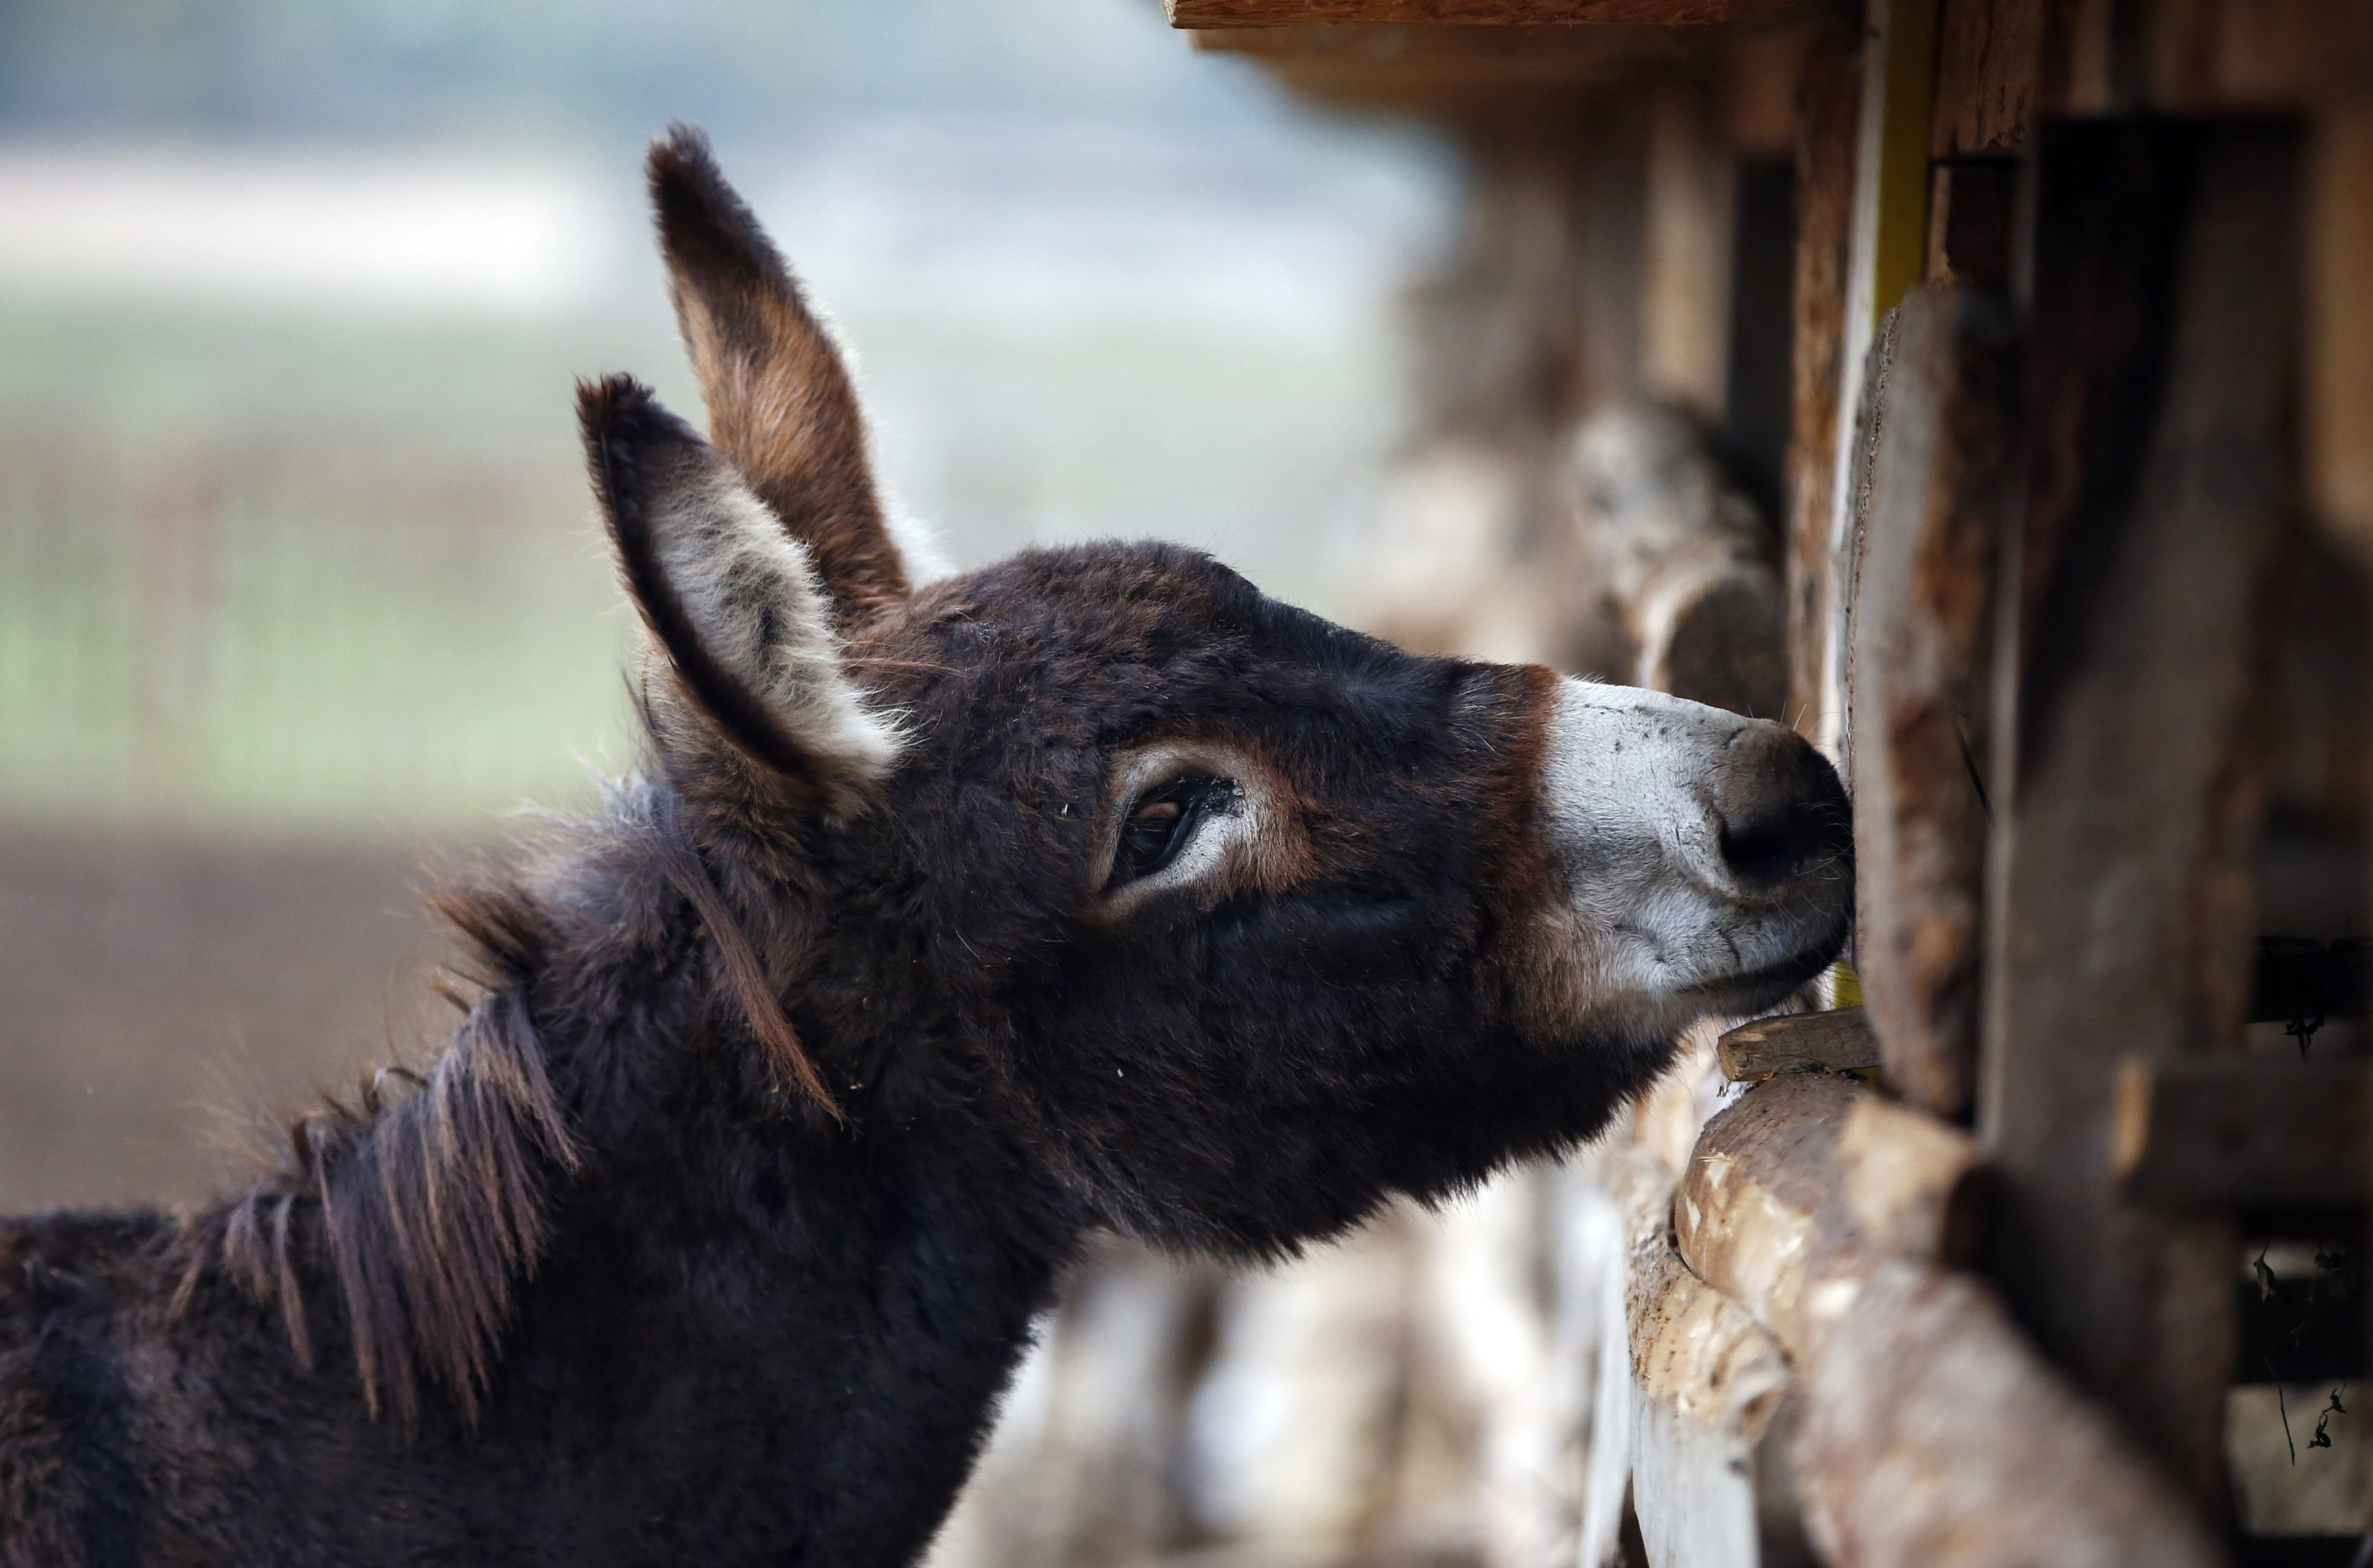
x=1151 y=840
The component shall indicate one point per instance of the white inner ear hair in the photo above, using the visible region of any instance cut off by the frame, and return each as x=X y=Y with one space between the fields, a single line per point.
x=752 y=592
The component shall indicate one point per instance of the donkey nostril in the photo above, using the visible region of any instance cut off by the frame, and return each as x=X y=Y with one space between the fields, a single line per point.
x=1779 y=809
x=1770 y=845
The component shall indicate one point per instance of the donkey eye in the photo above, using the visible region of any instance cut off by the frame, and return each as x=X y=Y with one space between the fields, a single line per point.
x=1162 y=822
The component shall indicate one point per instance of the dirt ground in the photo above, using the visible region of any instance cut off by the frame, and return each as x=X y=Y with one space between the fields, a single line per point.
x=162 y=997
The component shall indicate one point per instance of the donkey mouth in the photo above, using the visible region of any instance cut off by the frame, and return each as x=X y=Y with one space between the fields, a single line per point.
x=1761 y=987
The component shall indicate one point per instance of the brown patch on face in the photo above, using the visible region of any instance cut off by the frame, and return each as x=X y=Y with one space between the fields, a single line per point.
x=1540 y=964
x=780 y=404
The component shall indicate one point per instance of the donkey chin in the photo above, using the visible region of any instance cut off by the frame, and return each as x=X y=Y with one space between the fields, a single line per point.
x=1703 y=863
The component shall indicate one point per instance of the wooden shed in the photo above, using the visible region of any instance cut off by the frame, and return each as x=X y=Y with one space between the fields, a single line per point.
x=2045 y=332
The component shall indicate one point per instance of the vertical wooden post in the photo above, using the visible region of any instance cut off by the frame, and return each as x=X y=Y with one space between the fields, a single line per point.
x=2161 y=379
x=2340 y=361
x=1922 y=626
x=1827 y=118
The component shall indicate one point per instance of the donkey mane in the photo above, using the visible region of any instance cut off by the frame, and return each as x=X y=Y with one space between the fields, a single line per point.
x=428 y=1206
x=426 y=1195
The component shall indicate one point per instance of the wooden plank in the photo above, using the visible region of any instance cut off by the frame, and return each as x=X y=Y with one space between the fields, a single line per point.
x=1887 y=248
x=2340 y=335
x=2242 y=1133
x=1700 y=1385
x=1386 y=61
x=1706 y=1382
x=1836 y=1041
x=1796 y=1194
x=1825 y=161
x=1639 y=1188
x=1485 y=13
x=1939 y=478
x=1987 y=55
x=1932 y=1437
x=2161 y=363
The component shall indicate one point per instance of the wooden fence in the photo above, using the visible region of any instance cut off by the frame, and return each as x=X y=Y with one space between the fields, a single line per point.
x=2046 y=331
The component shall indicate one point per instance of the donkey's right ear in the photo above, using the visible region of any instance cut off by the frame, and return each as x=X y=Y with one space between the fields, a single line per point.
x=733 y=602
x=780 y=404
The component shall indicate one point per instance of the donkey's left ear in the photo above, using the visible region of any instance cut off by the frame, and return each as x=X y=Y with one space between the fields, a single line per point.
x=733 y=601
x=780 y=404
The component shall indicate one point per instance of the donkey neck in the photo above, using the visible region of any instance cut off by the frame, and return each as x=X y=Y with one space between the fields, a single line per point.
x=738 y=1294
x=628 y=1296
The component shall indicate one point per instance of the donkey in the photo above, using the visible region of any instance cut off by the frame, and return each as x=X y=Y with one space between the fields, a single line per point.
x=943 y=927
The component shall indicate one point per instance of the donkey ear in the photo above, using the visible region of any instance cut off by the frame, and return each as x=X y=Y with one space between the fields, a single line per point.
x=780 y=404
x=731 y=598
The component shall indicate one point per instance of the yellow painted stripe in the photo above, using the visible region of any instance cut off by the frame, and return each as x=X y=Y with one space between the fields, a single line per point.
x=1845 y=986
x=1900 y=243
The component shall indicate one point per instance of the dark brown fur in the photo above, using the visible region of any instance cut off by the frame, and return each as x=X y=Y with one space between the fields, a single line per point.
x=788 y=1084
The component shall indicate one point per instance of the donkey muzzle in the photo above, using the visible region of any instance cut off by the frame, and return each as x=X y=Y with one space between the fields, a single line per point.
x=1706 y=860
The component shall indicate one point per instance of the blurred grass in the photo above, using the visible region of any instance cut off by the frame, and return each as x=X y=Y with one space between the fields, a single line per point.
x=334 y=575
x=305 y=576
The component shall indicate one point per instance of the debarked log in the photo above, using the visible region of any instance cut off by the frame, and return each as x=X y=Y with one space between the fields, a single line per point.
x=1928 y=1434
x=1836 y=1041
x=1798 y=1191
x=1934 y=490
x=1932 y=1437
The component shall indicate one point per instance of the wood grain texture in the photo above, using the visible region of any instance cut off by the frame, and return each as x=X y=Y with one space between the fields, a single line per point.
x=1940 y=476
x=1837 y=1041
x=1706 y=1381
x=1932 y=1437
x=1828 y=98
x=1702 y=1385
x=2161 y=365
x=2340 y=335
x=1492 y=13
x=1987 y=55
x=1796 y=1194
x=2242 y=1133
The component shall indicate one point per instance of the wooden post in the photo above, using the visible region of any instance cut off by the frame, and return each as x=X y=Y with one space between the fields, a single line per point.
x=2340 y=362
x=1827 y=113
x=2161 y=374
x=1923 y=614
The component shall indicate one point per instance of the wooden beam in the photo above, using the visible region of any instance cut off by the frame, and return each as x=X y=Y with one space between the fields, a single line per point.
x=2162 y=362
x=1939 y=476
x=1485 y=13
x=1932 y=1437
x=2340 y=338
x=2249 y=1133
x=1837 y=1041
x=1800 y=1191
x=1390 y=62
x=1987 y=55
x=1828 y=94
x=1887 y=249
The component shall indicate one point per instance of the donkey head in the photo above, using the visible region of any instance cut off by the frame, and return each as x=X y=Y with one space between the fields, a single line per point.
x=1229 y=919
